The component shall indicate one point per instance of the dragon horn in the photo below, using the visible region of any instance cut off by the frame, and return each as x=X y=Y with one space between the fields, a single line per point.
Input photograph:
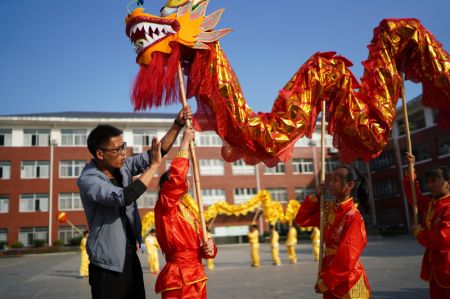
x=211 y=21
x=212 y=36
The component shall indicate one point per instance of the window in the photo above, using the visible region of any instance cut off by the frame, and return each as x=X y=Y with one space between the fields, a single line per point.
x=208 y=139
x=211 y=167
x=147 y=200
x=304 y=141
x=301 y=193
x=65 y=233
x=69 y=202
x=71 y=169
x=241 y=195
x=443 y=145
x=28 y=235
x=416 y=122
x=211 y=196
x=5 y=170
x=278 y=169
x=331 y=164
x=420 y=151
x=36 y=137
x=240 y=168
x=143 y=137
x=4 y=204
x=278 y=194
x=5 y=137
x=435 y=115
x=328 y=140
x=73 y=137
x=34 y=169
x=385 y=160
x=385 y=188
x=359 y=165
x=33 y=203
x=303 y=165
x=3 y=235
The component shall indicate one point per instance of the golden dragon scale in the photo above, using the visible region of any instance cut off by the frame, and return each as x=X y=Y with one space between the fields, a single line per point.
x=359 y=114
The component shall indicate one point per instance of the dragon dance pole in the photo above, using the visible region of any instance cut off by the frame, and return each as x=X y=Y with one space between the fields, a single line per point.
x=256 y=215
x=411 y=170
x=322 y=181
x=198 y=190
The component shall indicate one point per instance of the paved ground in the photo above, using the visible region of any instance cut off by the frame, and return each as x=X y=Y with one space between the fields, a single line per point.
x=392 y=264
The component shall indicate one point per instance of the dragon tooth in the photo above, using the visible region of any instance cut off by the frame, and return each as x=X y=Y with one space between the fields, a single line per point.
x=146 y=27
x=153 y=26
x=149 y=39
x=140 y=26
x=169 y=29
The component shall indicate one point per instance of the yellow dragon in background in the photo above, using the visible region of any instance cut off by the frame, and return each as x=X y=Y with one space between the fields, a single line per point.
x=272 y=210
x=360 y=115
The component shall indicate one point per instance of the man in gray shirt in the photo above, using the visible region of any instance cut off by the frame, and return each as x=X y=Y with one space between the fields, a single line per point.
x=109 y=196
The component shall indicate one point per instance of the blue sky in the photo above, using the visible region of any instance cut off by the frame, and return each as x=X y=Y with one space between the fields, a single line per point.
x=74 y=55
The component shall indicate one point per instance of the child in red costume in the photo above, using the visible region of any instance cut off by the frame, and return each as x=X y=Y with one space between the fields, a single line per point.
x=435 y=233
x=342 y=274
x=179 y=233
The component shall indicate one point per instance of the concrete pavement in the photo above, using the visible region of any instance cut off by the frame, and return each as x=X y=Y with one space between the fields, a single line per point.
x=392 y=265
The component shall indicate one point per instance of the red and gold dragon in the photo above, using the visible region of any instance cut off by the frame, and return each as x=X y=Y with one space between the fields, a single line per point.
x=359 y=114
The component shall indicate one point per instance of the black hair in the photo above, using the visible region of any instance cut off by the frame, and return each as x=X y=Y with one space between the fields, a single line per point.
x=435 y=172
x=100 y=135
x=360 y=192
x=85 y=233
x=153 y=230
x=164 y=178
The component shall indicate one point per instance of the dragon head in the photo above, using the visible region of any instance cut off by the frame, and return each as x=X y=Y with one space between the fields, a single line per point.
x=181 y=21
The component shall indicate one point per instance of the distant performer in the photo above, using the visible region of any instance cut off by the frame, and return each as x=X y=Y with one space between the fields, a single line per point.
x=84 y=265
x=210 y=262
x=434 y=235
x=342 y=274
x=151 y=244
x=291 y=244
x=275 y=245
x=315 y=242
x=253 y=240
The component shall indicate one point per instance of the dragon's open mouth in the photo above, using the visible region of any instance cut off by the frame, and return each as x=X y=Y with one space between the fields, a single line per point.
x=145 y=31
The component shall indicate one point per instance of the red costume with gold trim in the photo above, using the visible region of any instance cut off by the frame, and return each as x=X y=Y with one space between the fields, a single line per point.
x=435 y=237
x=345 y=239
x=179 y=236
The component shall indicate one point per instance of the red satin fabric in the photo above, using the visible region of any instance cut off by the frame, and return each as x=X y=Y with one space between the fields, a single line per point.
x=346 y=234
x=179 y=241
x=436 y=238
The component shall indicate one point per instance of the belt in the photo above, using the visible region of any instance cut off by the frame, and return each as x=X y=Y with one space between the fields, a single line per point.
x=187 y=256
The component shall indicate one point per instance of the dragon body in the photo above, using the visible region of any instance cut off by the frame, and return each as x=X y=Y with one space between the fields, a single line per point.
x=359 y=114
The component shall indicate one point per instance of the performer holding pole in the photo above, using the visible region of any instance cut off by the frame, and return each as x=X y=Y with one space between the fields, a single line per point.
x=179 y=234
x=434 y=235
x=342 y=274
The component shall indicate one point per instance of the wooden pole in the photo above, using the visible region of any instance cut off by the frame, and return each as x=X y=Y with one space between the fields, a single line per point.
x=409 y=148
x=322 y=181
x=198 y=190
x=256 y=216
x=210 y=224
x=74 y=227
